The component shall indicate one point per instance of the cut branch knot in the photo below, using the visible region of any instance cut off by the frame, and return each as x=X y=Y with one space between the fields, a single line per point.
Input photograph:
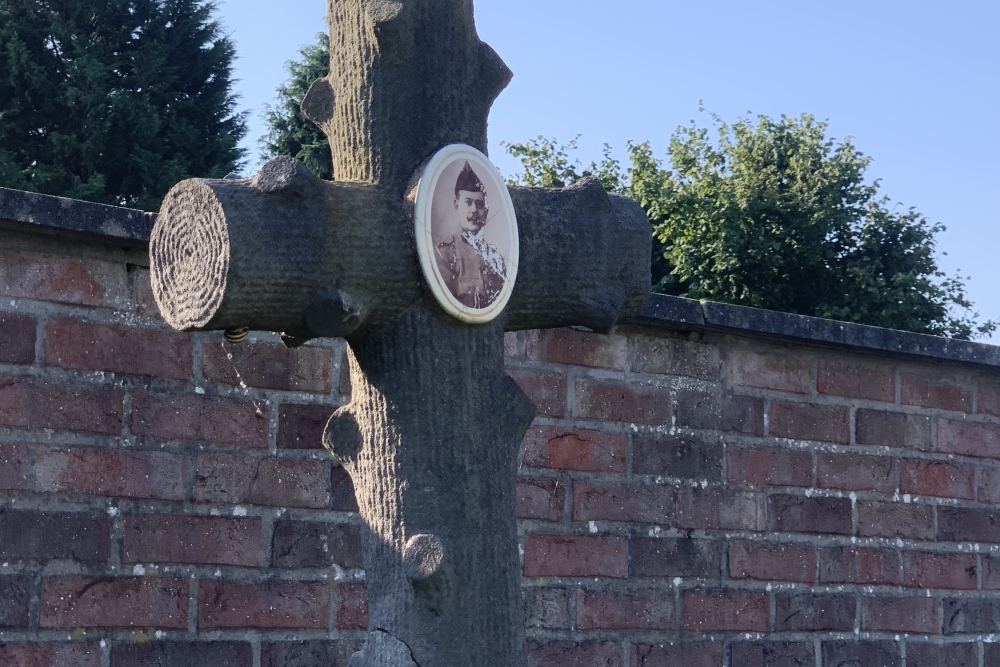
x=423 y=557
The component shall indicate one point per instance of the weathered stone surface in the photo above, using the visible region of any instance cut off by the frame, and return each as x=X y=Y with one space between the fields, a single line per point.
x=59 y=213
x=430 y=437
x=264 y=258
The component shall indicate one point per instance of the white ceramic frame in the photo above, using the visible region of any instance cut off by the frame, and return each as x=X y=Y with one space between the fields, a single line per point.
x=425 y=242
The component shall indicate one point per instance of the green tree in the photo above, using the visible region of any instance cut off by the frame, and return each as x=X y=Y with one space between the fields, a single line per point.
x=115 y=101
x=773 y=214
x=291 y=133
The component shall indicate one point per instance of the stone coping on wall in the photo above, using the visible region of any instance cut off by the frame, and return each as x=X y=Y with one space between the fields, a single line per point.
x=103 y=223
x=59 y=214
x=676 y=312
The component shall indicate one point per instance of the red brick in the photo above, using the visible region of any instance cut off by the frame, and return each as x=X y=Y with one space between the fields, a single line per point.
x=893 y=429
x=724 y=611
x=145 y=303
x=315 y=545
x=934 y=391
x=854 y=472
x=798 y=611
x=577 y=348
x=116 y=473
x=919 y=615
x=662 y=557
x=644 y=503
x=16 y=595
x=773 y=653
x=938 y=478
x=805 y=421
x=798 y=514
x=989 y=486
x=47 y=536
x=125 y=602
x=13 y=467
x=265 y=605
x=17 y=339
x=570 y=654
x=903 y=520
x=853 y=653
x=182 y=654
x=970 y=614
x=991 y=573
x=623 y=402
x=342 y=497
x=71 y=343
x=863 y=566
x=952 y=654
x=634 y=610
x=769 y=371
x=221 y=421
x=303 y=653
x=772 y=562
x=728 y=413
x=50 y=655
x=937 y=570
x=192 y=539
x=575 y=556
x=689 y=654
x=85 y=282
x=874 y=384
x=305 y=368
x=36 y=404
x=540 y=498
x=673 y=356
x=770 y=466
x=270 y=482
x=969 y=439
x=989 y=399
x=967 y=524
x=302 y=426
x=697 y=458
x=583 y=451
x=352 y=607
x=546 y=390
x=721 y=509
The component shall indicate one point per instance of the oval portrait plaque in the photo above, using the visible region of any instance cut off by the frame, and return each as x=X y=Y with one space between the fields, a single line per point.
x=466 y=234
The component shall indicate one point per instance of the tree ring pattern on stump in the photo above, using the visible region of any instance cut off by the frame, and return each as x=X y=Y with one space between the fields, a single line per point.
x=189 y=256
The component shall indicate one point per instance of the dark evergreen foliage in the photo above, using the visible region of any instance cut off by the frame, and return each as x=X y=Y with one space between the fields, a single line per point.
x=115 y=101
x=290 y=132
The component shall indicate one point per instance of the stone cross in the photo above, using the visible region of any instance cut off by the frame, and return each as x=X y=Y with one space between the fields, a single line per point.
x=432 y=433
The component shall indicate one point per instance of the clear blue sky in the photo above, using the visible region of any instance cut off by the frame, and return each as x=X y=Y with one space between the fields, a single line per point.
x=916 y=84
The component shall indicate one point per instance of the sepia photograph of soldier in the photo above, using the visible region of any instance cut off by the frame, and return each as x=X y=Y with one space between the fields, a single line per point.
x=473 y=268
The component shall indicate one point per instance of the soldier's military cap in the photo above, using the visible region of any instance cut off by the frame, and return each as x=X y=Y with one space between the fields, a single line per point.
x=469 y=181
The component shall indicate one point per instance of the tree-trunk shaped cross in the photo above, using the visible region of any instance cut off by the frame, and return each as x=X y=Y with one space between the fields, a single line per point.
x=432 y=433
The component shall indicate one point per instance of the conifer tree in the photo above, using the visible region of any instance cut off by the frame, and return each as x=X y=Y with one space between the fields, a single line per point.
x=290 y=132
x=115 y=101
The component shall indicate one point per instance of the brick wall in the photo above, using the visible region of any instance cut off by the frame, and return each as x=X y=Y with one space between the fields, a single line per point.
x=686 y=497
